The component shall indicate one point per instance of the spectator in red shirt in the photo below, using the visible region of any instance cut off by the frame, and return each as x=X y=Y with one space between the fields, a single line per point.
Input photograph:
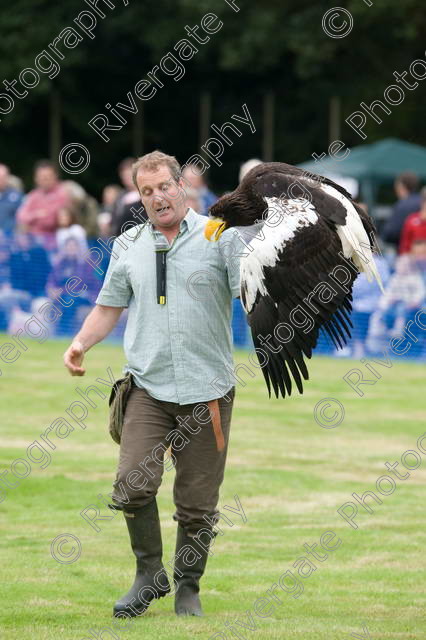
x=39 y=213
x=414 y=229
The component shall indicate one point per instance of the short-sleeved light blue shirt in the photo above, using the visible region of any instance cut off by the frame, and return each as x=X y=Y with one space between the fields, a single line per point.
x=180 y=351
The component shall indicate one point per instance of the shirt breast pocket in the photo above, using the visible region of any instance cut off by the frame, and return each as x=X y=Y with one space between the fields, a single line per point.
x=203 y=279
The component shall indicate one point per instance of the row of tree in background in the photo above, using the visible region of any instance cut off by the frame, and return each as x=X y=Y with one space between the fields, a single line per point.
x=298 y=83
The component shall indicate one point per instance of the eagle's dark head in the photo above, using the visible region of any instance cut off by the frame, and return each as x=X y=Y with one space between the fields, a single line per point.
x=240 y=208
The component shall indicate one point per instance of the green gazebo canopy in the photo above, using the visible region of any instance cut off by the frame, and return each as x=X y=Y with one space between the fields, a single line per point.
x=372 y=164
x=381 y=161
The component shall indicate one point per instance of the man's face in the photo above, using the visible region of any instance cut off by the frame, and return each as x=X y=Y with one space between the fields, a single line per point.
x=4 y=177
x=162 y=197
x=45 y=178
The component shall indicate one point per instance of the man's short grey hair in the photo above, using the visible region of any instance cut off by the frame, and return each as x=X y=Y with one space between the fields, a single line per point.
x=153 y=161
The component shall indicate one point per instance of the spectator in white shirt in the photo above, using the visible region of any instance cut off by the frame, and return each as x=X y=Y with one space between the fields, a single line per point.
x=68 y=228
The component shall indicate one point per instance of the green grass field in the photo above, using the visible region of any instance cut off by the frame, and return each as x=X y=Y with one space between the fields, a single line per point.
x=290 y=474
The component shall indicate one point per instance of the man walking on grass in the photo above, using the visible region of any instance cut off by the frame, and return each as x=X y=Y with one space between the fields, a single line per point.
x=177 y=343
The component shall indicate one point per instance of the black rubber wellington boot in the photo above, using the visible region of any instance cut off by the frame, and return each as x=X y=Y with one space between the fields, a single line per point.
x=145 y=537
x=187 y=574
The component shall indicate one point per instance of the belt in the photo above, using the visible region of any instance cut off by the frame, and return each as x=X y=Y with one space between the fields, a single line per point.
x=213 y=406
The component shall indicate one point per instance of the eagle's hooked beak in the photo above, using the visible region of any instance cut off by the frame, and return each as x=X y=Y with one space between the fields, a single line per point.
x=213 y=229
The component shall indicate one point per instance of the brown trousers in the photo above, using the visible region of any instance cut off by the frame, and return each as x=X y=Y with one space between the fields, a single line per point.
x=150 y=427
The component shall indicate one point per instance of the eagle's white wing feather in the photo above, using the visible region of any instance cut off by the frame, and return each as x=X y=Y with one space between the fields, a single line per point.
x=283 y=219
x=354 y=238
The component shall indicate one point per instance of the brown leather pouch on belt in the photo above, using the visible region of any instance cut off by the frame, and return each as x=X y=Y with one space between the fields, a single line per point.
x=117 y=406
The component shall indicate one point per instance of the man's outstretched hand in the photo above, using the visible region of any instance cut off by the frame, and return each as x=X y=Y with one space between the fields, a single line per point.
x=98 y=324
x=73 y=359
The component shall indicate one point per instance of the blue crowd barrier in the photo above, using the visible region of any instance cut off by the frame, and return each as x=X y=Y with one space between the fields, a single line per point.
x=34 y=287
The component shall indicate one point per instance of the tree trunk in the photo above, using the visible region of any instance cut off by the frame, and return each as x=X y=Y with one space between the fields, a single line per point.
x=204 y=117
x=268 y=126
x=55 y=125
x=334 y=119
x=138 y=131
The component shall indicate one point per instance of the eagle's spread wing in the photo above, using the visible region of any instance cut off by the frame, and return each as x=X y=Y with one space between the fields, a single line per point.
x=297 y=279
x=307 y=242
x=290 y=290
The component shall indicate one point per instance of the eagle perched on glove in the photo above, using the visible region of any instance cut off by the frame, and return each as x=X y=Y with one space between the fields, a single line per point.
x=306 y=243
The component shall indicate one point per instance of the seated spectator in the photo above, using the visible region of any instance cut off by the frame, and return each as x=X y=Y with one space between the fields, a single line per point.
x=11 y=300
x=110 y=194
x=248 y=166
x=195 y=180
x=193 y=200
x=126 y=177
x=10 y=200
x=29 y=265
x=406 y=188
x=414 y=228
x=365 y=297
x=4 y=281
x=4 y=259
x=101 y=255
x=130 y=205
x=418 y=254
x=404 y=295
x=85 y=206
x=104 y=224
x=39 y=212
x=68 y=228
x=70 y=264
x=16 y=183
